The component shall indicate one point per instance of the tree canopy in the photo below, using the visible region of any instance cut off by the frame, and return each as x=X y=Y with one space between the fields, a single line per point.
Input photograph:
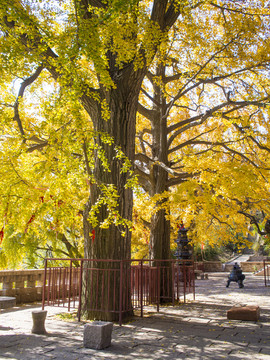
x=74 y=74
x=203 y=130
x=71 y=74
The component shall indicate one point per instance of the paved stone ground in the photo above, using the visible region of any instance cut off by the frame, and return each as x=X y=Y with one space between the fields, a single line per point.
x=196 y=330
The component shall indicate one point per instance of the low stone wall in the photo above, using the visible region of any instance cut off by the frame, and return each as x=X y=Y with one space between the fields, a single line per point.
x=251 y=266
x=247 y=266
x=209 y=266
x=25 y=285
x=217 y=266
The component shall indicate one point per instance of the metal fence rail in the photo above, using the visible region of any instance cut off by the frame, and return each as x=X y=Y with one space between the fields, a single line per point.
x=115 y=286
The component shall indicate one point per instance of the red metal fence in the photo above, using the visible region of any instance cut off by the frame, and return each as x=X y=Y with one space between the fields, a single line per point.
x=116 y=286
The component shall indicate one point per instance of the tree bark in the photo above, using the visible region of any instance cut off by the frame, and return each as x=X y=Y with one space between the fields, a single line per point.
x=110 y=243
x=160 y=226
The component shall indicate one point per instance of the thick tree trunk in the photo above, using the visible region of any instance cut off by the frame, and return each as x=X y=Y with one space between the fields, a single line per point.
x=160 y=250
x=160 y=226
x=160 y=236
x=110 y=243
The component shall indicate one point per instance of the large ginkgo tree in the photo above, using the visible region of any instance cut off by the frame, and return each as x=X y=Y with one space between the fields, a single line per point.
x=71 y=75
x=95 y=54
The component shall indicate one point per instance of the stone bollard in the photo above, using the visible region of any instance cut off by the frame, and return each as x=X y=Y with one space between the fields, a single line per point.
x=97 y=335
x=39 y=317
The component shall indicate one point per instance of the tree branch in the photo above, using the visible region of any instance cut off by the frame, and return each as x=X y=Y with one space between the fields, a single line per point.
x=222 y=8
x=142 y=141
x=144 y=179
x=88 y=169
x=191 y=141
x=23 y=86
x=37 y=147
x=143 y=158
x=150 y=97
x=181 y=92
x=171 y=15
x=149 y=114
x=221 y=222
x=253 y=221
x=180 y=179
x=158 y=13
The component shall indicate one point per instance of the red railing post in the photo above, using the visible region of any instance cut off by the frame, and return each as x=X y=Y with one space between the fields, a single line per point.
x=177 y=279
x=59 y=287
x=184 y=280
x=44 y=284
x=173 y=282
x=141 y=278
x=151 y=274
x=158 y=285
x=64 y=286
x=120 y=295
x=193 y=282
x=70 y=279
x=80 y=292
x=264 y=272
x=53 y=286
x=49 y=286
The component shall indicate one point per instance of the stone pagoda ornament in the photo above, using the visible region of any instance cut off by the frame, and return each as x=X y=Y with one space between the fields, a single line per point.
x=184 y=249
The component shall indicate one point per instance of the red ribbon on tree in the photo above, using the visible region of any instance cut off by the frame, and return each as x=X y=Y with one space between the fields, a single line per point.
x=1 y=235
x=29 y=222
x=93 y=235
